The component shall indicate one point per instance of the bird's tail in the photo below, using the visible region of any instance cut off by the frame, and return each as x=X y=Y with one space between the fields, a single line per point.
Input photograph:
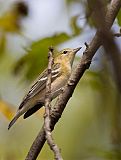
x=33 y=110
x=13 y=121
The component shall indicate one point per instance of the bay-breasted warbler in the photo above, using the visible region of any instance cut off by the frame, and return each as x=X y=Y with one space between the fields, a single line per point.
x=61 y=71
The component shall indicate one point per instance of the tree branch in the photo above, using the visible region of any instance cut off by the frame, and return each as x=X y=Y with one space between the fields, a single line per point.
x=114 y=53
x=47 y=119
x=74 y=79
x=108 y=42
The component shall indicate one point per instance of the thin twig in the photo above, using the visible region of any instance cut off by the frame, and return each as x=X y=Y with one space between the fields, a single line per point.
x=47 y=119
x=75 y=77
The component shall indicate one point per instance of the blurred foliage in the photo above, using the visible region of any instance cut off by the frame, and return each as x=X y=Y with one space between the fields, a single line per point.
x=6 y=110
x=90 y=7
x=76 y=30
x=35 y=58
x=2 y=43
x=119 y=18
x=90 y=10
x=10 y=22
x=70 y=1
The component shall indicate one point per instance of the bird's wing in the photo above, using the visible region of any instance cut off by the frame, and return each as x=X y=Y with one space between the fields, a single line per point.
x=40 y=83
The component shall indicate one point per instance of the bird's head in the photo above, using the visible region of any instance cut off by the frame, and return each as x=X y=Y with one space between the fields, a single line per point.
x=67 y=55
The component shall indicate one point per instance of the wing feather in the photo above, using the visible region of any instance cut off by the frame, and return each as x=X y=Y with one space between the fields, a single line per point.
x=40 y=83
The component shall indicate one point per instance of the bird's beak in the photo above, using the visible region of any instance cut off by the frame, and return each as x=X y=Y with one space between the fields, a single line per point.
x=77 y=49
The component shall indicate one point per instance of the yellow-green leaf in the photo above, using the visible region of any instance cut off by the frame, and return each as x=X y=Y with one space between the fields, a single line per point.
x=119 y=17
x=6 y=110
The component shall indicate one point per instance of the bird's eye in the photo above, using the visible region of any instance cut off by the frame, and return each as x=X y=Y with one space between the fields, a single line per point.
x=64 y=52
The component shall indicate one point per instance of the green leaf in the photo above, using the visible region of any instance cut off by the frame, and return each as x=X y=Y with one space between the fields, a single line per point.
x=70 y=1
x=74 y=26
x=94 y=80
x=36 y=58
x=119 y=17
x=2 y=43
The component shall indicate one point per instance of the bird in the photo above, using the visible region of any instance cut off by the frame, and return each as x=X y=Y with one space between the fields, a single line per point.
x=61 y=71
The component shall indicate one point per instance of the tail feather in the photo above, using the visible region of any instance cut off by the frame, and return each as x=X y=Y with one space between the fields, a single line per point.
x=12 y=122
x=32 y=110
x=27 y=114
x=18 y=114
